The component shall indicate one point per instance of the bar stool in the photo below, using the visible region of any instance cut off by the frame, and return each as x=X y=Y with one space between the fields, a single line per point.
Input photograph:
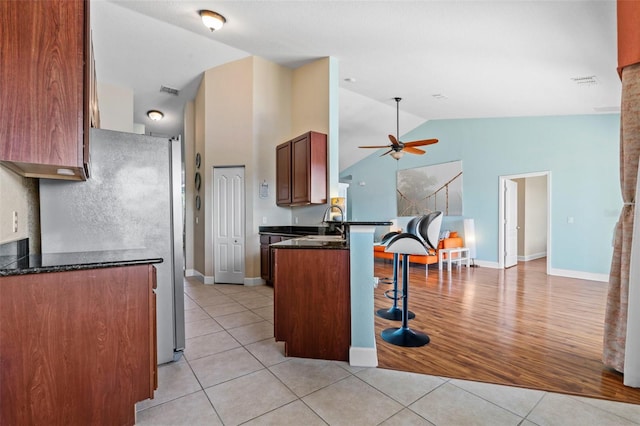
x=393 y=313
x=405 y=244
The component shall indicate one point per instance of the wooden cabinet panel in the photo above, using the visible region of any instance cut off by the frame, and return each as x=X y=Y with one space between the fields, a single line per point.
x=312 y=302
x=301 y=178
x=283 y=174
x=77 y=347
x=266 y=256
x=43 y=109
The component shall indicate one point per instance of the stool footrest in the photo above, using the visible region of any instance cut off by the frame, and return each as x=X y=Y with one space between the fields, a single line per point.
x=397 y=294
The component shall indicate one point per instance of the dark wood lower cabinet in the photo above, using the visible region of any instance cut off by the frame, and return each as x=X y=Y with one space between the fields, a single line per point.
x=77 y=347
x=312 y=312
x=266 y=255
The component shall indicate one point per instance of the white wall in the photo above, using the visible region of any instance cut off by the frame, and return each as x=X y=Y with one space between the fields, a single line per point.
x=19 y=194
x=116 y=107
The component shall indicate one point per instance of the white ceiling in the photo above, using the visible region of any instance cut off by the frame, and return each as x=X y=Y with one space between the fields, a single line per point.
x=487 y=58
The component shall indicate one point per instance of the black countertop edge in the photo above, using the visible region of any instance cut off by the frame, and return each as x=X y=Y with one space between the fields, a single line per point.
x=296 y=230
x=326 y=229
x=60 y=262
x=300 y=243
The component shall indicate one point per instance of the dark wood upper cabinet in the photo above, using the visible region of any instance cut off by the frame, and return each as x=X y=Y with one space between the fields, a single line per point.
x=301 y=170
x=283 y=174
x=45 y=86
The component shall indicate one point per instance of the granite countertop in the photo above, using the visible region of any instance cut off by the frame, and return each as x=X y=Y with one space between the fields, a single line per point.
x=328 y=228
x=303 y=243
x=59 y=262
x=296 y=230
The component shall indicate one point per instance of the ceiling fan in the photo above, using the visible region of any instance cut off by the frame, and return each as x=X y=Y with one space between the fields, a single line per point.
x=397 y=148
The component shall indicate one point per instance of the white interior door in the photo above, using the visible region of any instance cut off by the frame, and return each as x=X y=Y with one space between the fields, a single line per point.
x=228 y=224
x=510 y=223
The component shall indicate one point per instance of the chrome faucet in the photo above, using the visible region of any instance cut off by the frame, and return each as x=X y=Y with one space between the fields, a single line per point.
x=332 y=225
x=332 y=206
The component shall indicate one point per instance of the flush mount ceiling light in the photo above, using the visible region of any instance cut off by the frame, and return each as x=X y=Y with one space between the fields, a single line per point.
x=155 y=115
x=212 y=20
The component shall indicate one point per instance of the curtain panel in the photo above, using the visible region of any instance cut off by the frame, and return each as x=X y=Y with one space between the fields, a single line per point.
x=618 y=303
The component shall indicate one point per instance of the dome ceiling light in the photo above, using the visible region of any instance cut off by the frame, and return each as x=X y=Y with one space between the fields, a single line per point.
x=155 y=115
x=212 y=20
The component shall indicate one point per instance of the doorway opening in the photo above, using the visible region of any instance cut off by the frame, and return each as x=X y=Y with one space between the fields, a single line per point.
x=524 y=218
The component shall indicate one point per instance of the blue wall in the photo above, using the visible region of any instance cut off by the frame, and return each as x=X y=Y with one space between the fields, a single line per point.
x=580 y=152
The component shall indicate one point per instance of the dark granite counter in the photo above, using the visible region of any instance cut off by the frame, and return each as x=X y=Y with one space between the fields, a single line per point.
x=296 y=230
x=58 y=262
x=304 y=243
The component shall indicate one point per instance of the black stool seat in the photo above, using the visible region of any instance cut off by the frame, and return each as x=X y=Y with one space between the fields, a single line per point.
x=393 y=313
x=405 y=244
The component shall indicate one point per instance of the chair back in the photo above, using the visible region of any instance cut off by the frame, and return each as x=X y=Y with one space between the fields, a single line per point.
x=428 y=228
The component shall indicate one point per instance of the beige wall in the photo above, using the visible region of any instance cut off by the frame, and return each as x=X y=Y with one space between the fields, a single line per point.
x=198 y=241
x=243 y=110
x=532 y=217
x=189 y=143
x=311 y=110
x=536 y=217
x=228 y=139
x=20 y=195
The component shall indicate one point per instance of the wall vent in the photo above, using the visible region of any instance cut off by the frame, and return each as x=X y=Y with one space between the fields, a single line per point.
x=589 y=80
x=169 y=90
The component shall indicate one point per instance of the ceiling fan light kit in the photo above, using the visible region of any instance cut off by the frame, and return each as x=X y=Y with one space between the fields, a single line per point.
x=397 y=148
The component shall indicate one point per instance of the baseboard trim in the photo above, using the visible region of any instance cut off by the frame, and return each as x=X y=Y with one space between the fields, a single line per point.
x=485 y=264
x=253 y=281
x=363 y=357
x=532 y=256
x=191 y=273
x=581 y=275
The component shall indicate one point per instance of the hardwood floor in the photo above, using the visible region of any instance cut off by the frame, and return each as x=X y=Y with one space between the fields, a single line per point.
x=516 y=327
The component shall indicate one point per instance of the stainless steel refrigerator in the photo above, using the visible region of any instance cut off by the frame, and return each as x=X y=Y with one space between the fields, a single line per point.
x=132 y=200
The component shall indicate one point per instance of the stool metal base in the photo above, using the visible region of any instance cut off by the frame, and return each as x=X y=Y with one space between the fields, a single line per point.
x=404 y=336
x=393 y=313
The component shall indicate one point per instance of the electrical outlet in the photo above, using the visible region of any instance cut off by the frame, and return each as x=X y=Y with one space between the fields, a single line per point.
x=264 y=220
x=296 y=219
x=15 y=221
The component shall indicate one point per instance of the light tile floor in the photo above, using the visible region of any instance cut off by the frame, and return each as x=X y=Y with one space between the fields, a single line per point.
x=233 y=372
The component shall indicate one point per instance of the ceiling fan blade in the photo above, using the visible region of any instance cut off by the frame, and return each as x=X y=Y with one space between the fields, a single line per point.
x=386 y=152
x=421 y=142
x=374 y=146
x=412 y=150
x=394 y=141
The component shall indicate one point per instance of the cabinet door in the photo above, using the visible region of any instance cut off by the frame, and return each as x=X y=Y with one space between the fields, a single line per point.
x=301 y=170
x=283 y=174
x=71 y=338
x=309 y=169
x=42 y=76
x=264 y=262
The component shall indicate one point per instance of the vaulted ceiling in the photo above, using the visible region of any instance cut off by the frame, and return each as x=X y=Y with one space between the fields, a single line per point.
x=446 y=59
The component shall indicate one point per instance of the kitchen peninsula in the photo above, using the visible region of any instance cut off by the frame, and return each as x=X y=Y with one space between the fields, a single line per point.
x=323 y=295
x=77 y=336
